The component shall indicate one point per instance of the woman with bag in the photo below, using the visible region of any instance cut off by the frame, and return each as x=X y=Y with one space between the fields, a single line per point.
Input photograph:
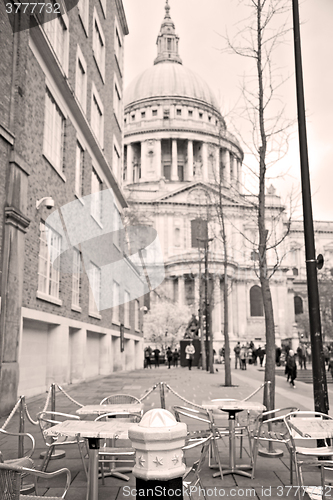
x=189 y=351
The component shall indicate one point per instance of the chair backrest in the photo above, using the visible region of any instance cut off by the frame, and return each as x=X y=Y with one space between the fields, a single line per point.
x=119 y=399
x=291 y=422
x=200 y=414
x=10 y=482
x=124 y=415
x=47 y=419
x=198 y=465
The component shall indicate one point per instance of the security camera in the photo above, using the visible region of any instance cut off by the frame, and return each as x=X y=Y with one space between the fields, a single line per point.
x=48 y=201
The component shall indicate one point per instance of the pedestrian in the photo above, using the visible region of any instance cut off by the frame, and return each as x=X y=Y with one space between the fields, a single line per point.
x=292 y=368
x=157 y=357
x=237 y=350
x=330 y=365
x=300 y=356
x=278 y=353
x=242 y=357
x=261 y=355
x=169 y=356
x=147 y=357
x=175 y=357
x=189 y=352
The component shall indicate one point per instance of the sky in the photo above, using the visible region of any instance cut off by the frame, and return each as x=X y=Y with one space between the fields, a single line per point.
x=201 y=26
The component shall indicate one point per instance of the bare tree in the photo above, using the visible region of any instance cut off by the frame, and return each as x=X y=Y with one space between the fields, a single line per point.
x=264 y=30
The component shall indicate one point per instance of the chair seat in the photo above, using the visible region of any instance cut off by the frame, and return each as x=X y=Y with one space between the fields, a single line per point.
x=315 y=452
x=271 y=436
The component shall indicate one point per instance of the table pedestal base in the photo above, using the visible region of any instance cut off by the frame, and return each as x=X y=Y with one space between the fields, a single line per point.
x=240 y=470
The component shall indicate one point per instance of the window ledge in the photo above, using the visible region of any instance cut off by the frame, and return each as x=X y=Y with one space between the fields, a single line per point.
x=79 y=197
x=48 y=298
x=115 y=322
x=95 y=315
x=61 y=175
x=76 y=308
x=100 y=70
x=97 y=221
x=84 y=25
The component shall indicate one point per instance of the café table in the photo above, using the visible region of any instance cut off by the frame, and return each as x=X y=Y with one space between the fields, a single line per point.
x=311 y=428
x=233 y=407
x=93 y=432
x=97 y=409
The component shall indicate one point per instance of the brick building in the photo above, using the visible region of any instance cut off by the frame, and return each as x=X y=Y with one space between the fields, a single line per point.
x=61 y=85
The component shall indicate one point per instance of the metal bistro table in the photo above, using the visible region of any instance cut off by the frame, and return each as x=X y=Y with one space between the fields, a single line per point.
x=233 y=407
x=109 y=408
x=93 y=431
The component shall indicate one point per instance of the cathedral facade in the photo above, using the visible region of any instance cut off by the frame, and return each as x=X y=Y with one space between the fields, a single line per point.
x=181 y=166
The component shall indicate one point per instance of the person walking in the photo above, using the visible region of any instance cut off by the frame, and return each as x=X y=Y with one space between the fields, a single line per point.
x=157 y=357
x=175 y=357
x=189 y=351
x=261 y=355
x=292 y=368
x=237 y=350
x=169 y=356
x=147 y=357
x=242 y=357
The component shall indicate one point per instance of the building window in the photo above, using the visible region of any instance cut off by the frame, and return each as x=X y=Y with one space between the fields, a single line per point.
x=154 y=112
x=256 y=304
x=209 y=118
x=190 y=112
x=116 y=161
x=298 y=305
x=116 y=300
x=200 y=115
x=79 y=169
x=94 y=275
x=133 y=118
x=83 y=6
x=117 y=107
x=118 y=45
x=143 y=114
x=103 y=5
x=179 y=112
x=56 y=29
x=127 y=299
x=137 y=315
x=97 y=116
x=177 y=237
x=81 y=79
x=117 y=227
x=99 y=45
x=96 y=196
x=76 y=278
x=49 y=251
x=54 y=124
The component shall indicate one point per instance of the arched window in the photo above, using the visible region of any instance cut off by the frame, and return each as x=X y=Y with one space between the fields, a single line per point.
x=298 y=305
x=256 y=305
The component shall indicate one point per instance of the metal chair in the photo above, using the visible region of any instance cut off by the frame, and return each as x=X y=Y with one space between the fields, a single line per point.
x=119 y=399
x=326 y=492
x=11 y=478
x=204 y=417
x=46 y=420
x=307 y=454
x=196 y=468
x=270 y=427
x=111 y=454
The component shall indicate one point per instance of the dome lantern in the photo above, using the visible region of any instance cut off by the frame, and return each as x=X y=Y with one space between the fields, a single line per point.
x=167 y=40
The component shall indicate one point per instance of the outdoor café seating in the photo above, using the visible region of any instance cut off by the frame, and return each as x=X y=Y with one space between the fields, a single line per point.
x=192 y=476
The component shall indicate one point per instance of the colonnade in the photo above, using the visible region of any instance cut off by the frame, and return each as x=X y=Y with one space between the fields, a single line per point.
x=196 y=166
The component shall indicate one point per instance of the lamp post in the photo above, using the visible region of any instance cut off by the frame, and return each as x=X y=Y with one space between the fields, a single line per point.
x=318 y=363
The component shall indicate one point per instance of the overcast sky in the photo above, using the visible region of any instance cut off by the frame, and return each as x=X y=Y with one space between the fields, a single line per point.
x=200 y=24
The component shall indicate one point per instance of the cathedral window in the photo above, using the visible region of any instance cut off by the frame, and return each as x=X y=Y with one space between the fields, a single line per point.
x=154 y=112
x=200 y=115
x=143 y=114
x=256 y=304
x=179 y=112
x=298 y=305
x=190 y=112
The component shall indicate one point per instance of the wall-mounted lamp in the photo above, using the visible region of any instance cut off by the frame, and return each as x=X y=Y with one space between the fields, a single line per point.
x=47 y=201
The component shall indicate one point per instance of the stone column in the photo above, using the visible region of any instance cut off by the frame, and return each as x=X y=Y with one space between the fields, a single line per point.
x=104 y=354
x=57 y=354
x=189 y=174
x=144 y=160
x=217 y=163
x=196 y=290
x=15 y=227
x=239 y=174
x=174 y=162
x=232 y=170
x=129 y=163
x=78 y=352
x=226 y=165
x=181 y=290
x=216 y=319
x=204 y=149
x=158 y=159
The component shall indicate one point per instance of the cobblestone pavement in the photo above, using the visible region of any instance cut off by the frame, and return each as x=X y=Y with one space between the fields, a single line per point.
x=272 y=478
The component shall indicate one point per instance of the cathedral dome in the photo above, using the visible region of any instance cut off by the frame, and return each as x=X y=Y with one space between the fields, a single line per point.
x=169 y=79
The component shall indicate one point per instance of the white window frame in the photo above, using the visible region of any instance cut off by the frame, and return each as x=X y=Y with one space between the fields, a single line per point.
x=127 y=300
x=51 y=30
x=116 y=308
x=48 y=276
x=79 y=168
x=98 y=44
x=81 y=96
x=118 y=45
x=99 y=132
x=83 y=7
x=103 y=6
x=116 y=227
x=95 y=285
x=76 y=280
x=96 y=196
x=117 y=101
x=117 y=162
x=50 y=138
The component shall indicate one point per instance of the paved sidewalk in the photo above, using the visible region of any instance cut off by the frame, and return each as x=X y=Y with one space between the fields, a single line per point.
x=272 y=474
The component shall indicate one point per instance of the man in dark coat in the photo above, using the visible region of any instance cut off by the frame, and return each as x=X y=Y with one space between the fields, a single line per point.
x=291 y=368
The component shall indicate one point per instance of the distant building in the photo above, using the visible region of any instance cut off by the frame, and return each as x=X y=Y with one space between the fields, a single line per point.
x=61 y=120
x=178 y=156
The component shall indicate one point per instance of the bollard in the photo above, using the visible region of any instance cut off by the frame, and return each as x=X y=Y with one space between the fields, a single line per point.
x=56 y=454
x=158 y=440
x=162 y=395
